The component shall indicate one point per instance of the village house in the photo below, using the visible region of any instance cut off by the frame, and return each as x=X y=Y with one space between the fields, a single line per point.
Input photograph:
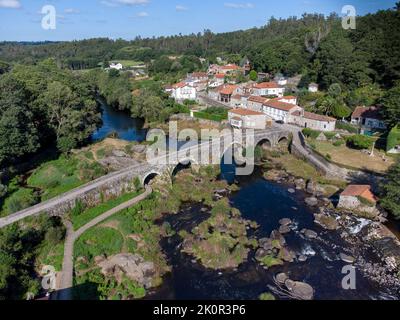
x=239 y=101
x=197 y=77
x=248 y=119
x=223 y=93
x=183 y=91
x=359 y=198
x=278 y=110
x=368 y=118
x=228 y=69
x=268 y=89
x=313 y=121
x=289 y=99
x=255 y=103
x=217 y=80
x=281 y=80
x=313 y=87
x=116 y=66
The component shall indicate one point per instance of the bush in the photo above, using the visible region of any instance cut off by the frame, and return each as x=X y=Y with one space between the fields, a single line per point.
x=213 y=113
x=393 y=139
x=360 y=142
x=330 y=135
x=338 y=143
x=310 y=133
x=346 y=126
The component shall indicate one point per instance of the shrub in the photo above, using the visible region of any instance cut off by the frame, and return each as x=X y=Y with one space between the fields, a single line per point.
x=360 y=142
x=393 y=139
x=330 y=135
x=338 y=143
x=346 y=126
x=310 y=133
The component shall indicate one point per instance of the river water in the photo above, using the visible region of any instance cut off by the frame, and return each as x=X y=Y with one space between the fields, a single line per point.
x=266 y=203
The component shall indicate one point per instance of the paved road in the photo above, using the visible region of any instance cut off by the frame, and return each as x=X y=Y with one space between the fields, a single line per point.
x=66 y=283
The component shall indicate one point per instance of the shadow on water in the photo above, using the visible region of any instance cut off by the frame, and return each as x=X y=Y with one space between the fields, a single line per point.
x=121 y=123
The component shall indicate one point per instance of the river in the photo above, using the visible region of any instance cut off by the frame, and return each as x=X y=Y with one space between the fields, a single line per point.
x=266 y=203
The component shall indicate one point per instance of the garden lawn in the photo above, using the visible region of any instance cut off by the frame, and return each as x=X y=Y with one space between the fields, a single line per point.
x=88 y=215
x=352 y=158
x=56 y=177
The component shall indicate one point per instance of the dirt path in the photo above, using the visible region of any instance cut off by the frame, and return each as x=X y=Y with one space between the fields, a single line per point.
x=66 y=284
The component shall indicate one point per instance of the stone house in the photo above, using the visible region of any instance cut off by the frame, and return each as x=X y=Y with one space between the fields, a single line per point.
x=313 y=121
x=368 y=118
x=313 y=87
x=255 y=103
x=359 y=198
x=248 y=119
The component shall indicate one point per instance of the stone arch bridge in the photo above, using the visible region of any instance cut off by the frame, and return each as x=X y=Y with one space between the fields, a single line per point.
x=116 y=183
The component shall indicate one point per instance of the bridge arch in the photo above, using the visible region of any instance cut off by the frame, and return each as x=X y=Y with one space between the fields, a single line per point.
x=149 y=176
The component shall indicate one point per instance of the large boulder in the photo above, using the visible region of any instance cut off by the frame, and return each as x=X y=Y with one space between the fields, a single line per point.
x=326 y=222
x=300 y=290
x=127 y=265
x=312 y=201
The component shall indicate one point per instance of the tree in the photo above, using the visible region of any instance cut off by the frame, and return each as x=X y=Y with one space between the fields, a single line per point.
x=391 y=106
x=390 y=199
x=72 y=120
x=18 y=133
x=253 y=75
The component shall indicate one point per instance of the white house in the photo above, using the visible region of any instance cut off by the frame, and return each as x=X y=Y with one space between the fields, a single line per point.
x=117 y=66
x=289 y=99
x=278 y=110
x=183 y=91
x=268 y=89
x=368 y=118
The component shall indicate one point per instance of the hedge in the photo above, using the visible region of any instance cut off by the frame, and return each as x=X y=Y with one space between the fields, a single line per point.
x=208 y=116
x=360 y=142
x=346 y=126
x=310 y=133
x=393 y=139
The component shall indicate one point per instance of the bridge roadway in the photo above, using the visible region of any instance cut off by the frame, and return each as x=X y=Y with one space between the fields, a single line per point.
x=141 y=169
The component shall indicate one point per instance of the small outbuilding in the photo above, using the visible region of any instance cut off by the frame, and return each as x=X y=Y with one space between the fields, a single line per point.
x=359 y=198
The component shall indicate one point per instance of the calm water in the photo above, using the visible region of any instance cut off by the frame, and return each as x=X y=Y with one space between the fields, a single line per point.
x=266 y=203
x=119 y=122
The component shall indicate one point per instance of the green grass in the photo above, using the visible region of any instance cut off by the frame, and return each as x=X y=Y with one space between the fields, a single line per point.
x=80 y=220
x=56 y=177
x=52 y=256
x=98 y=241
x=20 y=199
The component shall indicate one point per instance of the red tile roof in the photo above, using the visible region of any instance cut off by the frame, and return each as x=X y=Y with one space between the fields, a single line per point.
x=267 y=85
x=220 y=76
x=367 y=112
x=180 y=85
x=257 y=99
x=230 y=67
x=359 y=191
x=228 y=89
x=199 y=75
x=317 y=117
x=276 y=104
x=246 y=112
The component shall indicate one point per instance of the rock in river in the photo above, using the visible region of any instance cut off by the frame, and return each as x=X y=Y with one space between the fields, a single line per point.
x=348 y=259
x=285 y=222
x=310 y=234
x=312 y=202
x=326 y=222
x=300 y=290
